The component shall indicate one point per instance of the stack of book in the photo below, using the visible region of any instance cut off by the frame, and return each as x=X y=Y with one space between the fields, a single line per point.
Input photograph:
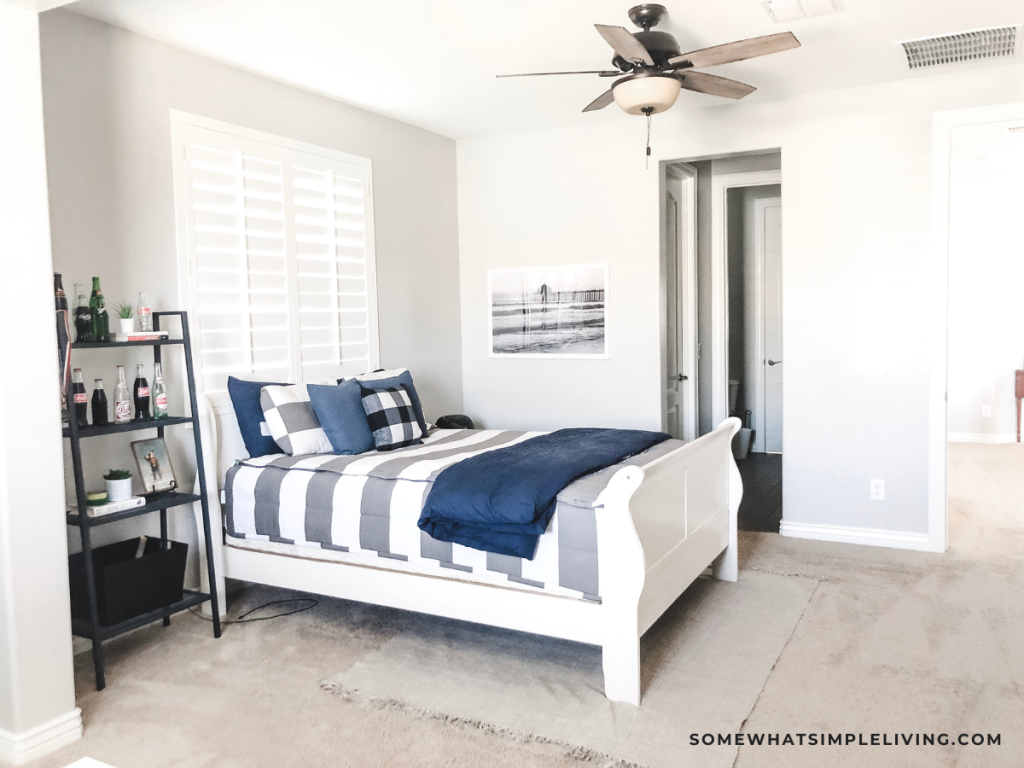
x=140 y=336
x=110 y=507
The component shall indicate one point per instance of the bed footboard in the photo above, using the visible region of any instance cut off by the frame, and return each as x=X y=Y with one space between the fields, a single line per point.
x=659 y=528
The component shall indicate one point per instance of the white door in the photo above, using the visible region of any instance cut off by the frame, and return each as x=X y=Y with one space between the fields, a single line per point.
x=769 y=223
x=680 y=311
x=675 y=406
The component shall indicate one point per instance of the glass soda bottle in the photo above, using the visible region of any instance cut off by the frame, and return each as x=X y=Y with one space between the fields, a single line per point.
x=122 y=403
x=83 y=316
x=140 y=392
x=159 y=393
x=144 y=313
x=80 y=397
x=100 y=417
x=100 y=318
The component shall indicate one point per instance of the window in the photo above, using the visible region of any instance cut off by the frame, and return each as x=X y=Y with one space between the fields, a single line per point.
x=276 y=256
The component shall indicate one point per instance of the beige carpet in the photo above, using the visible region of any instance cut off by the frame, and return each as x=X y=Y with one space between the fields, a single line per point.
x=890 y=640
x=702 y=668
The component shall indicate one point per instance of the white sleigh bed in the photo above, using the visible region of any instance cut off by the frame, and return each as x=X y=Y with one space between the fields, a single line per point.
x=658 y=528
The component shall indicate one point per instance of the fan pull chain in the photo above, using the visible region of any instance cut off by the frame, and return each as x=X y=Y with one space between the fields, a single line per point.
x=647 y=160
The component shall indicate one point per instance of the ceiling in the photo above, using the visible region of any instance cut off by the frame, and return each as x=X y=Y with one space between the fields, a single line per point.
x=432 y=63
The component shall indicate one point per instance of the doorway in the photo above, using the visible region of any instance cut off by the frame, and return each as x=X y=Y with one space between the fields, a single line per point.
x=753 y=248
x=679 y=301
x=985 y=349
x=722 y=314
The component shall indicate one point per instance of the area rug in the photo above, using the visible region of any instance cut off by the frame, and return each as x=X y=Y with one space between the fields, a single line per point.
x=703 y=665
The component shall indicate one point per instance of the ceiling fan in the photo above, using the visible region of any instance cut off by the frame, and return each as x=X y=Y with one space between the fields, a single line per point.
x=652 y=70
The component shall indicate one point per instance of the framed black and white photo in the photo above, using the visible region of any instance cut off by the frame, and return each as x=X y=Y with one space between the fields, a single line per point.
x=154 y=464
x=549 y=311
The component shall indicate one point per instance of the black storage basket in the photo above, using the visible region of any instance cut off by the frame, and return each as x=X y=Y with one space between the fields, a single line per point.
x=128 y=586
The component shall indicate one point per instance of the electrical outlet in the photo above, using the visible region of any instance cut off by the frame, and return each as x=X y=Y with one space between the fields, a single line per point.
x=986 y=411
x=878 y=490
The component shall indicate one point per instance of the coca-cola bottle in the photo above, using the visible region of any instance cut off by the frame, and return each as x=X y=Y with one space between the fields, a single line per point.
x=100 y=417
x=144 y=313
x=122 y=403
x=140 y=391
x=159 y=393
x=81 y=398
x=83 y=316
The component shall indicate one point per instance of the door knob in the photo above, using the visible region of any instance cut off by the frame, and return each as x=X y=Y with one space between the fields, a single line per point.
x=682 y=377
x=773 y=362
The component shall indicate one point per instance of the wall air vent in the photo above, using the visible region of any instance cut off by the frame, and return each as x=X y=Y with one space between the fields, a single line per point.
x=1015 y=129
x=961 y=46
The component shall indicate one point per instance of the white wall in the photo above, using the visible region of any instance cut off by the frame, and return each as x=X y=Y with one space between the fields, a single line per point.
x=986 y=275
x=856 y=168
x=36 y=677
x=107 y=96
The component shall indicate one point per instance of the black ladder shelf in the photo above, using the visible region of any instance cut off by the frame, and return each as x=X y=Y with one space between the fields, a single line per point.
x=92 y=628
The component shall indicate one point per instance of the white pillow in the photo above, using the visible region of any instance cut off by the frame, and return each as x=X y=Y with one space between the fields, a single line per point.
x=292 y=421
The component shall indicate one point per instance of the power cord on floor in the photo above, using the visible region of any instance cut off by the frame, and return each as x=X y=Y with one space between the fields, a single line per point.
x=242 y=620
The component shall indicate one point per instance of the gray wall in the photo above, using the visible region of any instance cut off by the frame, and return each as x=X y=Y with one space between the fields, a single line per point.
x=37 y=688
x=107 y=95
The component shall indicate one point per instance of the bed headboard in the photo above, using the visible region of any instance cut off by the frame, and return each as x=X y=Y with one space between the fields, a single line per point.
x=222 y=441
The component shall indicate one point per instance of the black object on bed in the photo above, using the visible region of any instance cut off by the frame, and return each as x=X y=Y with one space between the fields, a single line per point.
x=502 y=501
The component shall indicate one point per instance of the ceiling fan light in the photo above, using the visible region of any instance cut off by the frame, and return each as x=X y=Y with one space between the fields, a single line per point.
x=655 y=92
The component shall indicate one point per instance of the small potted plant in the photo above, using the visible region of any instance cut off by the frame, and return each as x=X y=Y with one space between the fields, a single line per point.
x=124 y=312
x=119 y=484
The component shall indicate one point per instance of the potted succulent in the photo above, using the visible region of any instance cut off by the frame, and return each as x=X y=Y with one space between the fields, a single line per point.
x=119 y=484
x=124 y=312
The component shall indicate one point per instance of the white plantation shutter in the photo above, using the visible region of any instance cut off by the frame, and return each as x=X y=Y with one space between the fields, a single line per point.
x=280 y=268
x=331 y=242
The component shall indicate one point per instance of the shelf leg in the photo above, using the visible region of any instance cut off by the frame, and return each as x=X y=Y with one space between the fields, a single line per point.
x=94 y=612
x=163 y=546
x=201 y=469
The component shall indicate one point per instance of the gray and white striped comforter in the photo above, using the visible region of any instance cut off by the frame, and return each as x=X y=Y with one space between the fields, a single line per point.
x=363 y=510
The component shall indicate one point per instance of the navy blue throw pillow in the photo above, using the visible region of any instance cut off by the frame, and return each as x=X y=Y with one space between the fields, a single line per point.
x=245 y=398
x=390 y=417
x=371 y=381
x=340 y=411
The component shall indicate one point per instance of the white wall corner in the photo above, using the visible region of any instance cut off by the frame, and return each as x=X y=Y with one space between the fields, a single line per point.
x=21 y=748
x=873 y=537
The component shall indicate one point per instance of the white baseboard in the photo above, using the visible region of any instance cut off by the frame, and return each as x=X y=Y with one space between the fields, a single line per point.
x=21 y=748
x=978 y=437
x=873 y=537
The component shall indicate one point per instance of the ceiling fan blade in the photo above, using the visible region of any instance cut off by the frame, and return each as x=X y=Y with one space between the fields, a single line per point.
x=702 y=82
x=624 y=44
x=600 y=102
x=738 y=51
x=600 y=72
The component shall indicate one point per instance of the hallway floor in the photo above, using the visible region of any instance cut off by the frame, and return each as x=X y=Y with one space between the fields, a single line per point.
x=761 y=507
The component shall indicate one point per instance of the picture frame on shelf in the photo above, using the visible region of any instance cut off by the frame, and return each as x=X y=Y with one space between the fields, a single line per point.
x=155 y=469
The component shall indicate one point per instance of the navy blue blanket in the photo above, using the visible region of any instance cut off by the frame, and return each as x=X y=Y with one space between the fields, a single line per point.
x=502 y=501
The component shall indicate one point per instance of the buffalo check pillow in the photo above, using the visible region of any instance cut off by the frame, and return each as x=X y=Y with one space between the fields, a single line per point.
x=292 y=421
x=391 y=417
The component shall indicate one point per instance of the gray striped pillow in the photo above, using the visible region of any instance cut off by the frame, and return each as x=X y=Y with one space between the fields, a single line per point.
x=292 y=421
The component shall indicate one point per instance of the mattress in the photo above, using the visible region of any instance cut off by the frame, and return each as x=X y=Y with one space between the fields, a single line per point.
x=363 y=510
